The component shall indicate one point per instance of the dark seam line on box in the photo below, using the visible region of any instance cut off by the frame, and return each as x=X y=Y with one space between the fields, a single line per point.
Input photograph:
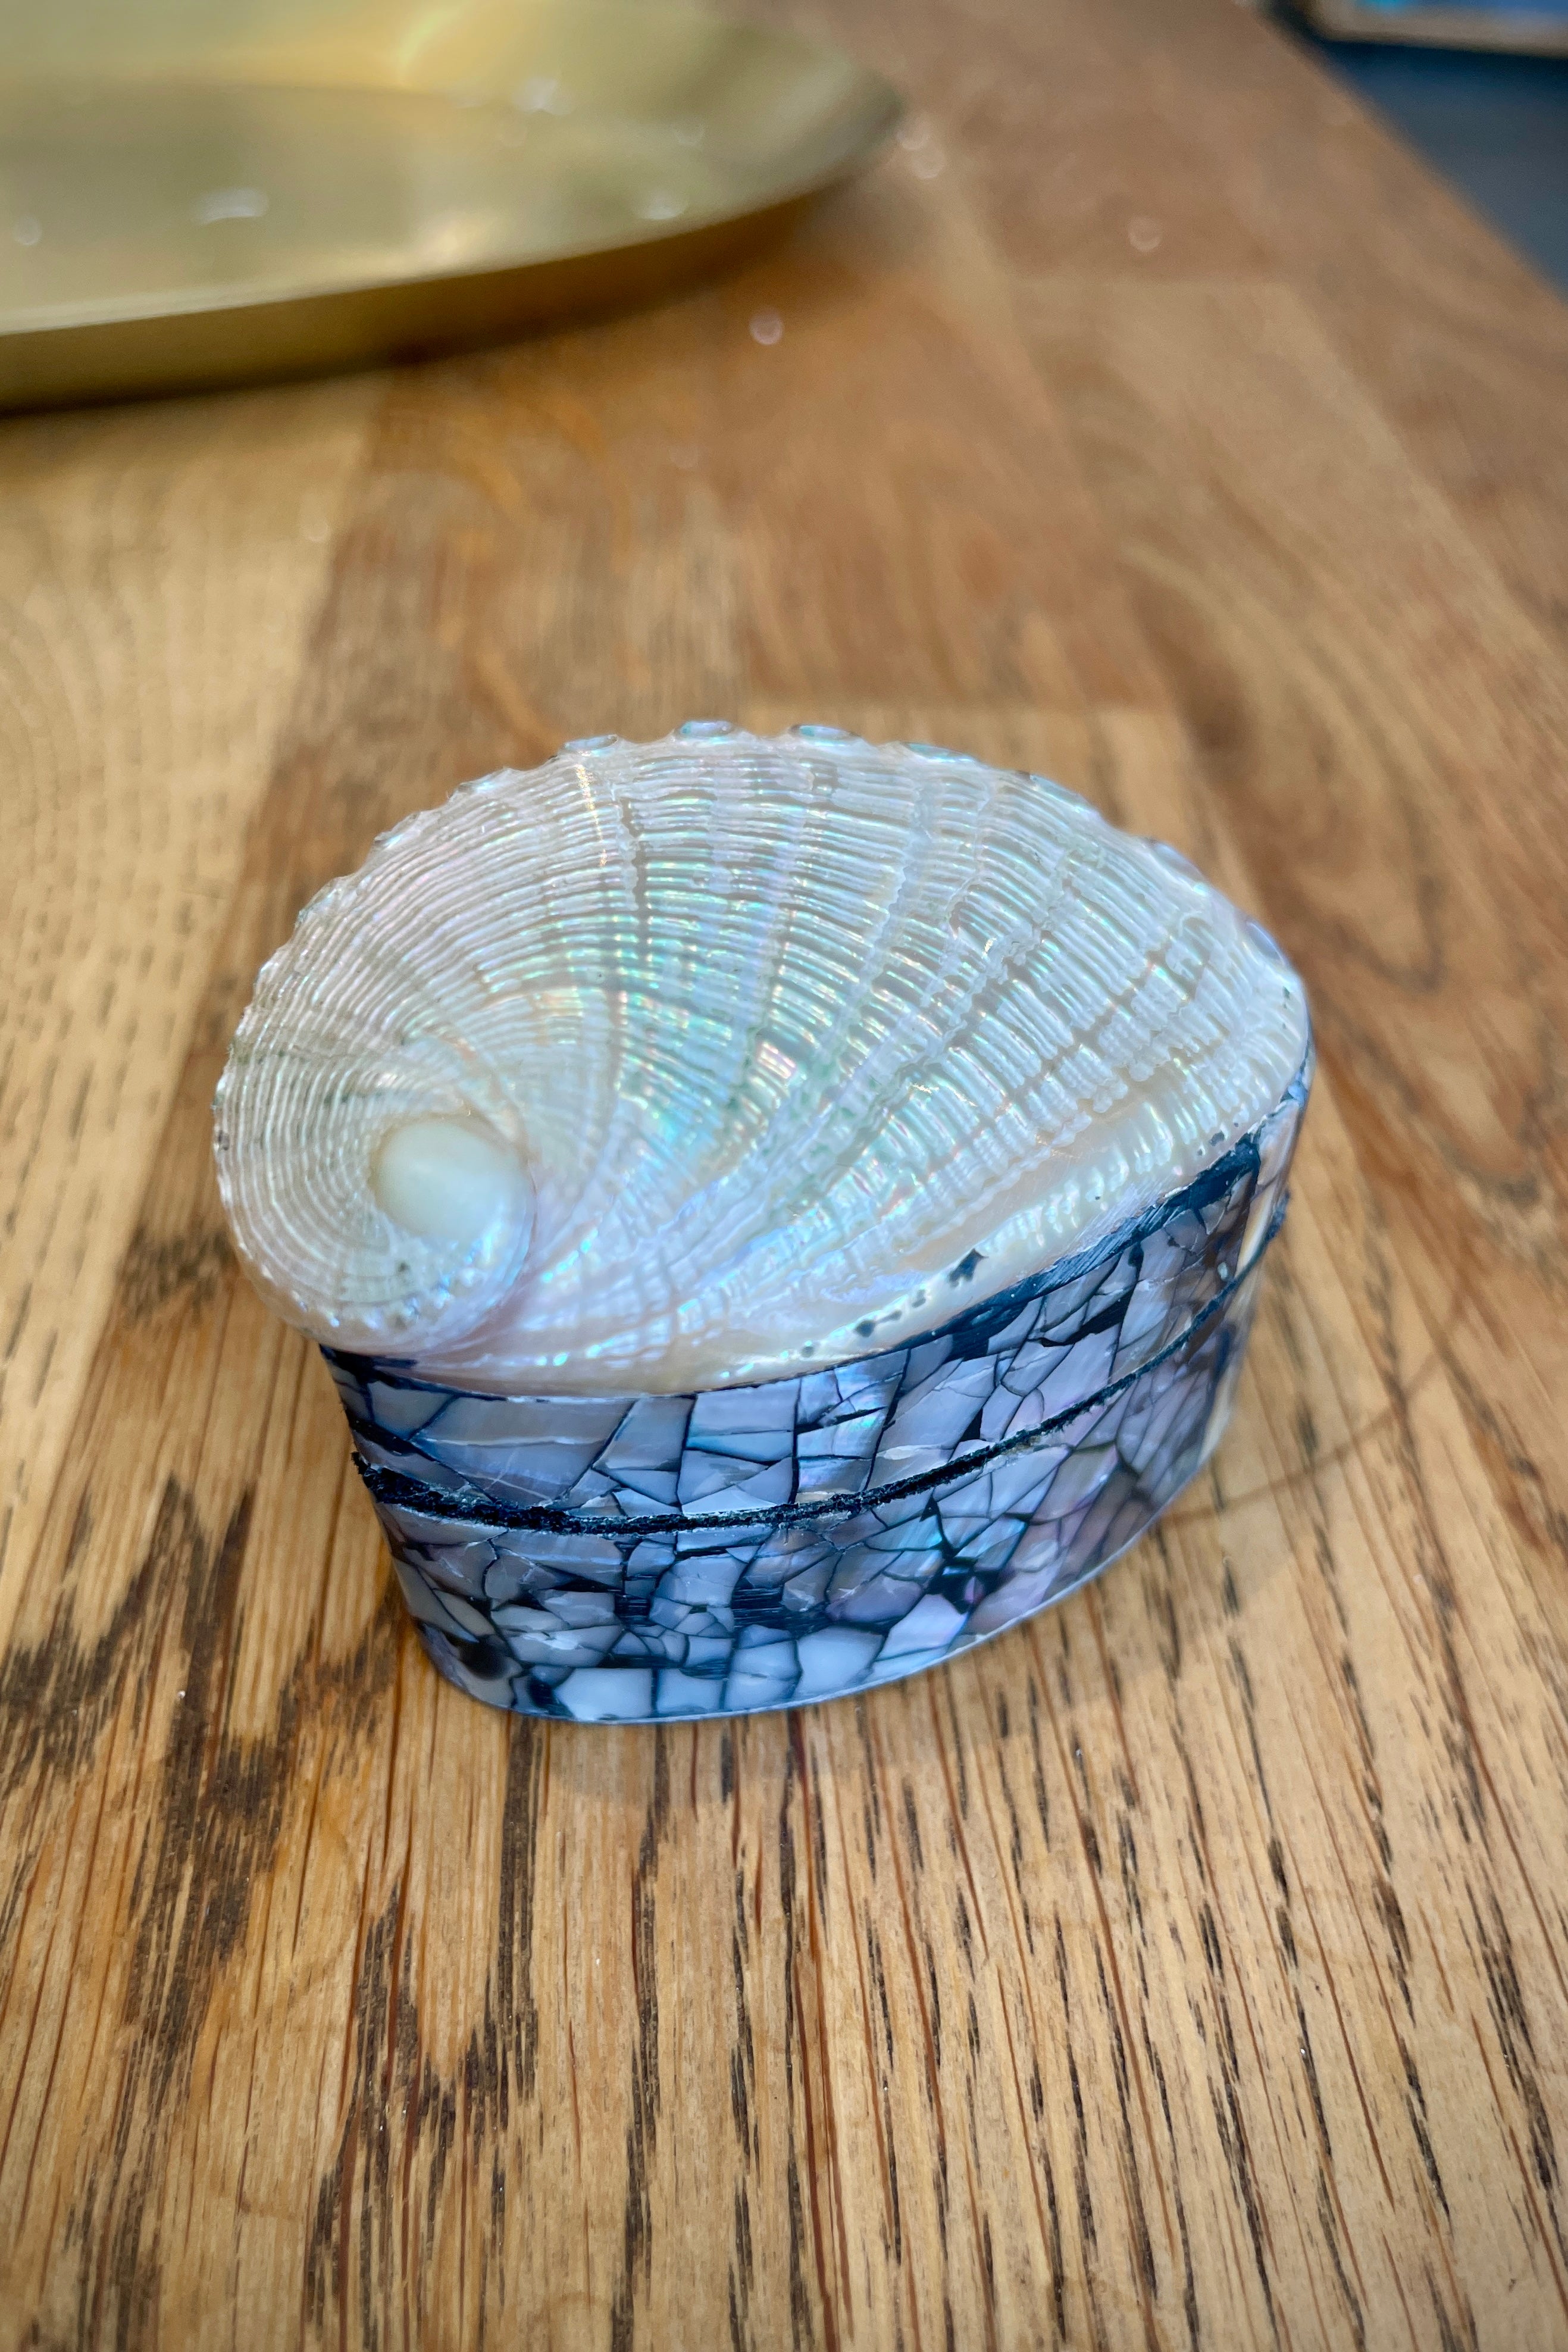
x=402 y=1492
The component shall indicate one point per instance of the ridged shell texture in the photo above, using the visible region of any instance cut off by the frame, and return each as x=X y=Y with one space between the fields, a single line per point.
x=725 y=1057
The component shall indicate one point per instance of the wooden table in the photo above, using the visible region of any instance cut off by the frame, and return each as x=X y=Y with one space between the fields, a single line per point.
x=1188 y=1967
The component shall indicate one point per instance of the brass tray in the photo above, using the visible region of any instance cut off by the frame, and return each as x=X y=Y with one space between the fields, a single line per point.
x=315 y=184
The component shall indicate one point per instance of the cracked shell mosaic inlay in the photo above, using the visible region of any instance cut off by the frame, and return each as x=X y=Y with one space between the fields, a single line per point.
x=627 y=1558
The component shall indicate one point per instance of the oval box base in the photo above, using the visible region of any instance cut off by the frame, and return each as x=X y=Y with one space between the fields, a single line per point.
x=630 y=1560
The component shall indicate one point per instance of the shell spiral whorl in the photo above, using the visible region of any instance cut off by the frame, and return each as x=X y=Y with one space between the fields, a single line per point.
x=679 y=1065
x=376 y=1182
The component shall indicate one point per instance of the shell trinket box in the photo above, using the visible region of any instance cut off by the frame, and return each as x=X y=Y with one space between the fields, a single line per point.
x=776 y=1211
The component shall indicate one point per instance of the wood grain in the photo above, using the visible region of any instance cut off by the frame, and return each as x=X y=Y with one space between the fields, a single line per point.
x=1186 y=1967
x=157 y=570
x=1362 y=701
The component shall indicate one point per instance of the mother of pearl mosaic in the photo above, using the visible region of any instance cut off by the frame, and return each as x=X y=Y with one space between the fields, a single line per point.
x=776 y=1211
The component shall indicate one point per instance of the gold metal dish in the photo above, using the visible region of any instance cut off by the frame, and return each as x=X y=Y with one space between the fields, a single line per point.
x=315 y=184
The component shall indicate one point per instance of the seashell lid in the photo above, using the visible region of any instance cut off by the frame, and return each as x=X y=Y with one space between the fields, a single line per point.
x=668 y=1065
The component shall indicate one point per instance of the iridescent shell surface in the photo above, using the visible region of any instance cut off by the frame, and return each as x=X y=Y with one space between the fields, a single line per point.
x=671 y=1066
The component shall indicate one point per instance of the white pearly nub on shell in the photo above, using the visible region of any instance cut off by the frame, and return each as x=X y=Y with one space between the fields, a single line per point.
x=665 y=1065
